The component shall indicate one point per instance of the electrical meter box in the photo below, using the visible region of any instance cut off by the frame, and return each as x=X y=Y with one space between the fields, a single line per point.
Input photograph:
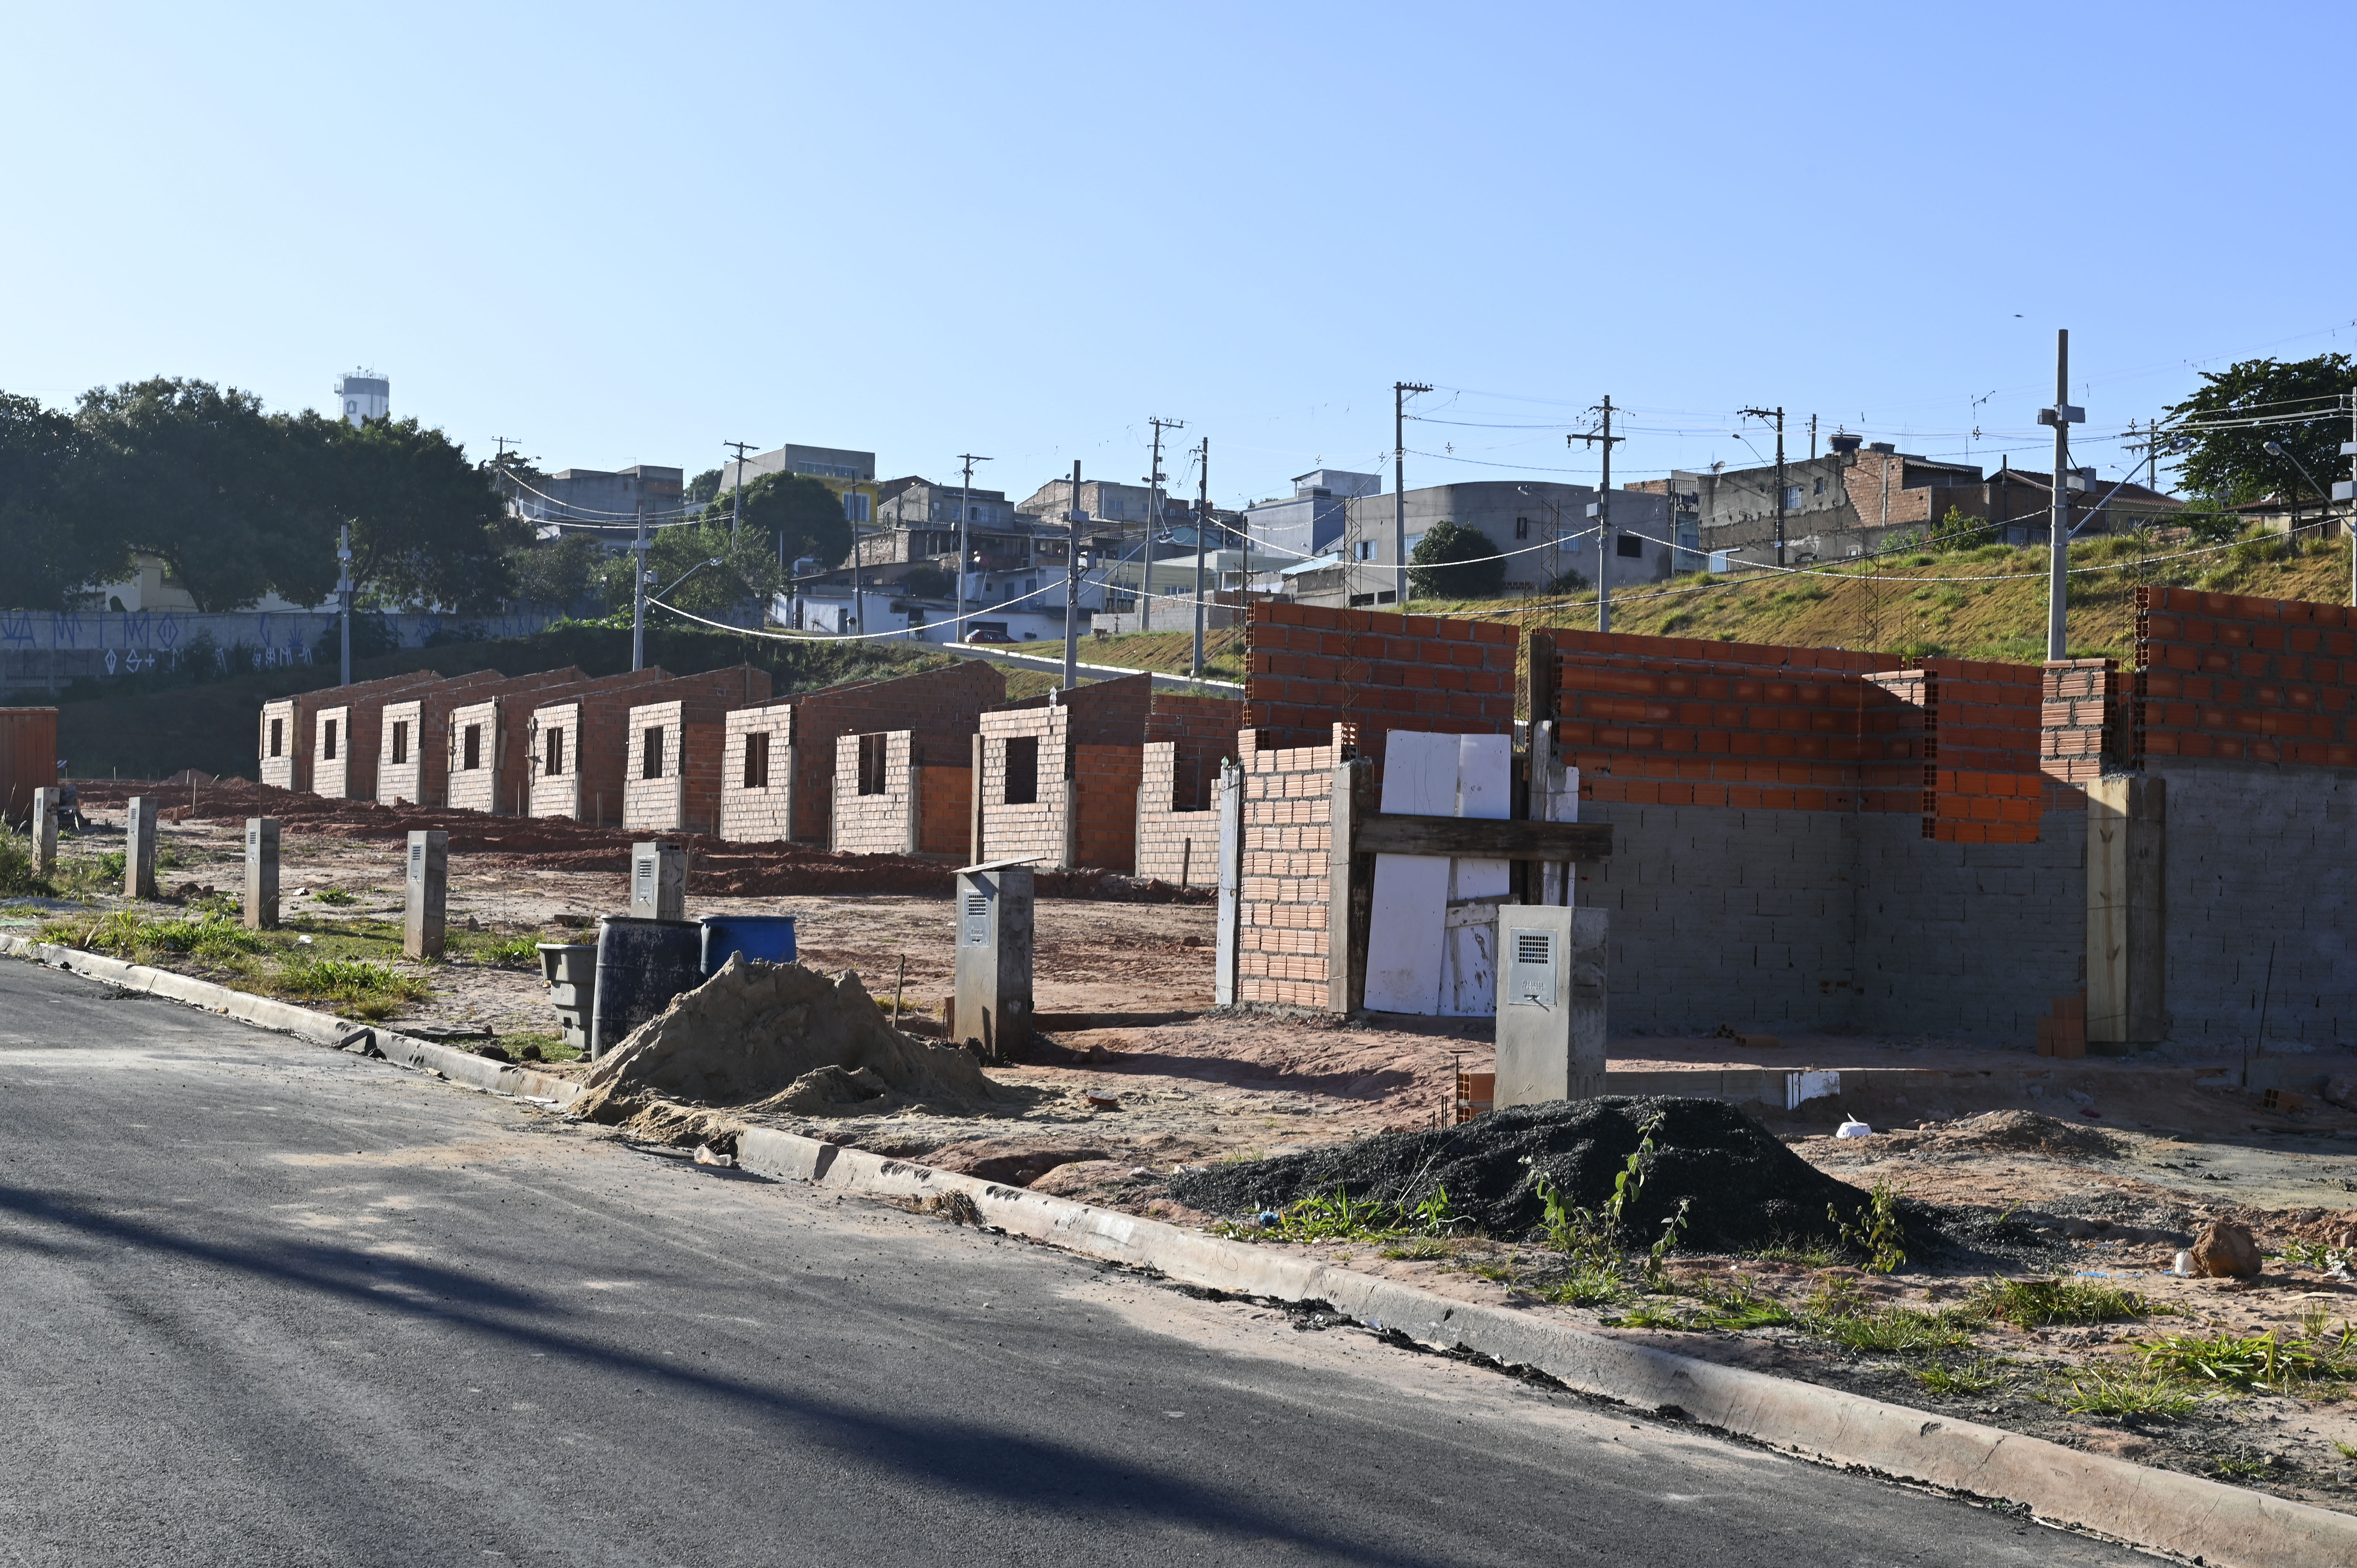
x=1551 y=964
x=659 y=881
x=993 y=1001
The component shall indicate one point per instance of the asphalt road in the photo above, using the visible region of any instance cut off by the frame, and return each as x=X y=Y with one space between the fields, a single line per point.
x=261 y=1302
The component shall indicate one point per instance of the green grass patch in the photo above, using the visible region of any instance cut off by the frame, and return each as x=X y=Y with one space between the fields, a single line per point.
x=1595 y=1285
x=2267 y=1362
x=551 y=1047
x=17 y=876
x=361 y=990
x=1423 y=1250
x=1808 y=1254
x=2039 y=1302
x=2124 y=1392
x=334 y=896
x=1963 y=1379
x=1338 y=1217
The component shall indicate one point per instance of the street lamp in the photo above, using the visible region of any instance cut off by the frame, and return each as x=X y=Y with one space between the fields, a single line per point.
x=2291 y=529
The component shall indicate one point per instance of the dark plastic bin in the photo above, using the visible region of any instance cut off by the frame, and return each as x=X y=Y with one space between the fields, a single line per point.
x=641 y=966
x=769 y=938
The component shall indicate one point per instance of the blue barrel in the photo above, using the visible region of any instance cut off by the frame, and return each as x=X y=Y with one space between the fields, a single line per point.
x=641 y=966
x=769 y=938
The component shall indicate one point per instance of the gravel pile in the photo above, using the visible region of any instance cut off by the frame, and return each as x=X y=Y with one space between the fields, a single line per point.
x=1748 y=1189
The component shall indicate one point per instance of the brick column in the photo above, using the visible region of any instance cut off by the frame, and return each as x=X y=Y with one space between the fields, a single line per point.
x=2074 y=717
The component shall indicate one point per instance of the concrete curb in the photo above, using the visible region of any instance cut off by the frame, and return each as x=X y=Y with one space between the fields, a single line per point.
x=2157 y=1509
x=286 y=1019
x=2162 y=1509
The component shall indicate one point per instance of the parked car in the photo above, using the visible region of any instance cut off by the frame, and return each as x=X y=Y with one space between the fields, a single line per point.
x=988 y=634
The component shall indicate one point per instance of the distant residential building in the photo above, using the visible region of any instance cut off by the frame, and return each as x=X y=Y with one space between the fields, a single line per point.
x=1308 y=522
x=849 y=474
x=600 y=501
x=1106 y=502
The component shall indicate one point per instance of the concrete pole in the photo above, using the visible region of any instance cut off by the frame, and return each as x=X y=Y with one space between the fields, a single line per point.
x=1779 y=483
x=139 y=847
x=638 y=594
x=344 y=594
x=1203 y=511
x=1400 y=390
x=1072 y=585
x=2057 y=580
x=261 y=873
x=1604 y=529
x=426 y=894
x=45 y=833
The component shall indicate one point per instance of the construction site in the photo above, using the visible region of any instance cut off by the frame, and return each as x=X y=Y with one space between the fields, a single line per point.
x=2019 y=1001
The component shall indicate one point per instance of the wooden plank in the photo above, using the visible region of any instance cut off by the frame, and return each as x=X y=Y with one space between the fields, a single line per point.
x=2128 y=826
x=1391 y=833
x=1344 y=935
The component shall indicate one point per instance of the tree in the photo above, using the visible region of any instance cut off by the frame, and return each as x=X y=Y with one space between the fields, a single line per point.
x=927 y=583
x=1454 y=563
x=794 y=507
x=554 y=572
x=50 y=552
x=703 y=486
x=200 y=478
x=748 y=570
x=2232 y=464
x=427 y=526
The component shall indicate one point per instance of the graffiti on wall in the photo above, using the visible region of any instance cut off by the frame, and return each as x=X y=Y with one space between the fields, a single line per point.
x=132 y=642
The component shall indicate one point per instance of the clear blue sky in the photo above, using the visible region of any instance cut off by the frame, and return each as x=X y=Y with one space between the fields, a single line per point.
x=628 y=234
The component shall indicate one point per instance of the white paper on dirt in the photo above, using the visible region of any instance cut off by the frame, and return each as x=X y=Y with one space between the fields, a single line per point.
x=1418 y=962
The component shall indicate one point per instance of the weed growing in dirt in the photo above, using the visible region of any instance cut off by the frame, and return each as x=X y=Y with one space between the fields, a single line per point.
x=2124 y=1392
x=1423 y=1250
x=334 y=896
x=2234 y=1470
x=519 y=951
x=2310 y=1255
x=1874 y=1230
x=1963 y=1379
x=130 y=934
x=2038 y=1303
x=2346 y=1450
x=1591 y=1287
x=16 y=876
x=551 y=1047
x=2266 y=1361
x=1797 y=1250
x=1837 y=1313
x=1338 y=1217
x=361 y=990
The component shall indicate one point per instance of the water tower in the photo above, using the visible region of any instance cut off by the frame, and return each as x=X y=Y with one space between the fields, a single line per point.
x=365 y=395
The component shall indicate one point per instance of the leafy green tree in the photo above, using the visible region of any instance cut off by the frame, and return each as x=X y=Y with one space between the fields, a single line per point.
x=200 y=478
x=928 y=583
x=428 y=527
x=1454 y=563
x=748 y=569
x=2233 y=465
x=792 y=507
x=554 y=572
x=51 y=551
x=703 y=486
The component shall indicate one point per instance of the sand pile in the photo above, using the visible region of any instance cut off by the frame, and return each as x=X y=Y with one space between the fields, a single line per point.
x=779 y=1037
x=1748 y=1188
x=2025 y=1131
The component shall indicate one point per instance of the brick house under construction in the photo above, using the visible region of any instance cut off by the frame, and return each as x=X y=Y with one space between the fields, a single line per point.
x=902 y=792
x=779 y=766
x=1057 y=778
x=673 y=757
x=1187 y=739
x=490 y=743
x=290 y=739
x=582 y=765
x=416 y=730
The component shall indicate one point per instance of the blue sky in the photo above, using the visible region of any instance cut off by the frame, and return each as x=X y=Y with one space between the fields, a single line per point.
x=630 y=234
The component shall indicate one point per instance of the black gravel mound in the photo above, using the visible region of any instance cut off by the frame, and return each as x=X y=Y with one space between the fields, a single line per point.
x=1748 y=1188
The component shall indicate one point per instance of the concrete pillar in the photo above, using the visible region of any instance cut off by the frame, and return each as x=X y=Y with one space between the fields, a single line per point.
x=2127 y=928
x=428 y=889
x=139 y=847
x=659 y=881
x=993 y=1005
x=1551 y=1004
x=261 y=873
x=45 y=831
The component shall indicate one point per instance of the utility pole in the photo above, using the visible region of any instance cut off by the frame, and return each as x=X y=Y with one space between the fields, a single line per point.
x=1600 y=509
x=734 y=498
x=859 y=586
x=2346 y=490
x=1202 y=512
x=1812 y=438
x=1401 y=392
x=1073 y=518
x=965 y=505
x=638 y=594
x=344 y=593
x=2061 y=416
x=1778 y=415
x=1153 y=524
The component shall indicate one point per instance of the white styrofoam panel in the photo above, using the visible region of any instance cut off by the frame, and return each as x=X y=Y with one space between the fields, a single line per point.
x=1405 y=953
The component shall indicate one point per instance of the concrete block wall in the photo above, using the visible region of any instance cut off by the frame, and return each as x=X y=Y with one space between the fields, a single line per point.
x=1085 y=792
x=286 y=752
x=359 y=721
x=757 y=807
x=946 y=703
x=594 y=738
x=691 y=730
x=1307 y=667
x=2235 y=677
x=501 y=783
x=1286 y=875
x=2260 y=860
x=888 y=822
x=424 y=778
x=1004 y=829
x=1176 y=844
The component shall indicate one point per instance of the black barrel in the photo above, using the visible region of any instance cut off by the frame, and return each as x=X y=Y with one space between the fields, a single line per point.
x=641 y=966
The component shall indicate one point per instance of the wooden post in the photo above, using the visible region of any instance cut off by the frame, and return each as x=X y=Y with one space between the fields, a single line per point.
x=2128 y=832
x=1349 y=889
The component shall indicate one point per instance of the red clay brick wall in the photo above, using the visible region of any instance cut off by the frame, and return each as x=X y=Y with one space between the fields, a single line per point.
x=1288 y=812
x=1203 y=732
x=424 y=778
x=686 y=799
x=1990 y=784
x=763 y=814
x=598 y=759
x=2230 y=676
x=299 y=736
x=1107 y=779
x=1176 y=843
x=2080 y=698
x=944 y=800
x=1307 y=669
x=1010 y=830
x=948 y=702
x=1111 y=712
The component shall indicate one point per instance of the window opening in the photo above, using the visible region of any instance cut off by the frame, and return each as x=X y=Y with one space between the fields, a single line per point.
x=329 y=731
x=400 y=740
x=872 y=753
x=553 y=762
x=757 y=760
x=651 y=750
x=1022 y=770
x=474 y=747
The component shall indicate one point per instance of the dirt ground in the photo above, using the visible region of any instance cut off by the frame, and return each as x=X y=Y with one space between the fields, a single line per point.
x=2122 y=1161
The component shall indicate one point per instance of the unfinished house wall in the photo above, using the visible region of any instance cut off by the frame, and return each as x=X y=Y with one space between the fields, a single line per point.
x=499 y=777
x=946 y=703
x=422 y=778
x=1059 y=778
x=1186 y=737
x=676 y=758
x=756 y=774
x=898 y=792
x=288 y=741
x=1283 y=889
x=1308 y=668
x=359 y=718
x=581 y=750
